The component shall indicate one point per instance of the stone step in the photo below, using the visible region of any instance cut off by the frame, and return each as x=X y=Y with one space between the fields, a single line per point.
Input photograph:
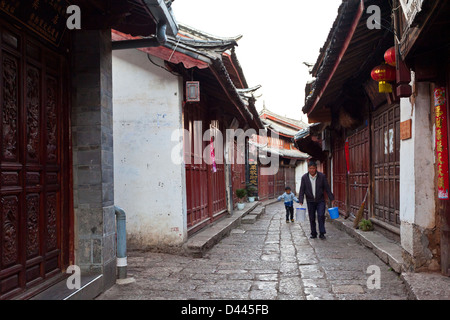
x=258 y=211
x=198 y=244
x=249 y=219
x=91 y=285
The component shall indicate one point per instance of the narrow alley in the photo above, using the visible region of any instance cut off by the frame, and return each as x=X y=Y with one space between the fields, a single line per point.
x=267 y=260
x=145 y=144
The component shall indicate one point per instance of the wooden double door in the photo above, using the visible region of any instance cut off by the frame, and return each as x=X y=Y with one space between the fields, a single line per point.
x=272 y=186
x=34 y=171
x=374 y=164
x=351 y=180
x=359 y=146
x=205 y=186
x=386 y=165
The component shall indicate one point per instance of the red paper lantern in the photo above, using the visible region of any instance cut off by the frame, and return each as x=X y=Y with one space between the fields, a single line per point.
x=389 y=57
x=384 y=74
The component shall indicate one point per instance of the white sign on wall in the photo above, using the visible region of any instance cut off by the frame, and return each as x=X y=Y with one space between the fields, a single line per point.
x=411 y=8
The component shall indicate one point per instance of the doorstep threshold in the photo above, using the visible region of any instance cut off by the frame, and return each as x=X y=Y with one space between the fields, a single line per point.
x=389 y=251
x=91 y=286
x=205 y=239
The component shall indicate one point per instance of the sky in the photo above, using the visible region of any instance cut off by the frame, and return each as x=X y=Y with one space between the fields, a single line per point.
x=278 y=36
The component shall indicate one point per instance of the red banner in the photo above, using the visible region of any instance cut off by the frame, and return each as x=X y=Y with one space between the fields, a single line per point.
x=440 y=104
x=213 y=156
x=347 y=155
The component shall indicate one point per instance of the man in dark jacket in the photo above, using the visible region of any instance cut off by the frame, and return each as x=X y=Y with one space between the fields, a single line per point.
x=313 y=186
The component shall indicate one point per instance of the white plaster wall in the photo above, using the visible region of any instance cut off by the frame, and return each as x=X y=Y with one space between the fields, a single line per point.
x=300 y=170
x=417 y=168
x=424 y=159
x=148 y=185
x=407 y=172
x=407 y=179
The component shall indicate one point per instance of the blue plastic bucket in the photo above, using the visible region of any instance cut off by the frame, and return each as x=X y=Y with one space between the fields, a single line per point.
x=334 y=213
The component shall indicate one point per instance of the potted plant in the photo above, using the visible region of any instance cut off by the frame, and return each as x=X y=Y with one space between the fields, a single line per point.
x=366 y=225
x=251 y=191
x=241 y=193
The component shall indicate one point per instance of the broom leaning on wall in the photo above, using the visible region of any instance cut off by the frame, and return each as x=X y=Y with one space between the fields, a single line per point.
x=360 y=213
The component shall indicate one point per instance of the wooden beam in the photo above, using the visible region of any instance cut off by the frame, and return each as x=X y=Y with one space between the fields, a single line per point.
x=341 y=54
x=410 y=38
x=99 y=5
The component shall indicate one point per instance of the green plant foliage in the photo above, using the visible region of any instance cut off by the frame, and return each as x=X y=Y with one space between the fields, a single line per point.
x=241 y=193
x=366 y=225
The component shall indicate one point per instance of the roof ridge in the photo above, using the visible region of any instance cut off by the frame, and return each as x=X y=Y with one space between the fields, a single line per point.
x=287 y=119
x=200 y=33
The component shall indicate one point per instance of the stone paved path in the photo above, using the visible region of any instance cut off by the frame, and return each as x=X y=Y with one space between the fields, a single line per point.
x=266 y=260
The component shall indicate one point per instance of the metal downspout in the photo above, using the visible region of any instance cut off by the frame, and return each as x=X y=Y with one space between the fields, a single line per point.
x=165 y=25
x=159 y=40
x=121 y=221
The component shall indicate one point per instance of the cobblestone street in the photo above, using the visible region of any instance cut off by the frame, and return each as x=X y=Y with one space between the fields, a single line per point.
x=267 y=260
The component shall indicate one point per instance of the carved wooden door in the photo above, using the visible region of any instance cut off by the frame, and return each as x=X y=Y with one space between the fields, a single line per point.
x=32 y=240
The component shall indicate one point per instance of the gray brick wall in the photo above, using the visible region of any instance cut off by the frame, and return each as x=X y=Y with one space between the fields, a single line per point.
x=93 y=170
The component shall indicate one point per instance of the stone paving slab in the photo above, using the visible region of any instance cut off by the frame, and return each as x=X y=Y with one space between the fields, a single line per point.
x=267 y=260
x=427 y=286
x=198 y=244
x=349 y=288
x=387 y=250
x=420 y=286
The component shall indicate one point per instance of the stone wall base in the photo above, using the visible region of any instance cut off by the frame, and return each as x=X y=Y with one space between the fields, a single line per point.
x=420 y=248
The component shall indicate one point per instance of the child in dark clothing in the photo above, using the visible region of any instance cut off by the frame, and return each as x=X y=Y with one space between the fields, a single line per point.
x=289 y=199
